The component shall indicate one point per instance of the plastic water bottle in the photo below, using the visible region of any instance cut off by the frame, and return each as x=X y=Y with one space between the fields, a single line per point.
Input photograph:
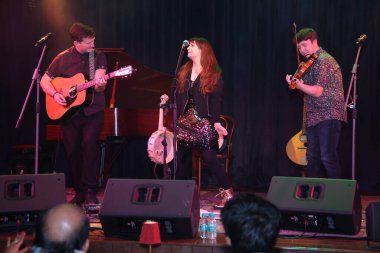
x=211 y=226
x=203 y=226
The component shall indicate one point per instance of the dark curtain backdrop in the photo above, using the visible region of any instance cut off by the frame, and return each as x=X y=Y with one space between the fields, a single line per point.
x=252 y=40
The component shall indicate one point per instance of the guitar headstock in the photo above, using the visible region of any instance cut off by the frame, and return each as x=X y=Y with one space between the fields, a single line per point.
x=125 y=71
x=164 y=98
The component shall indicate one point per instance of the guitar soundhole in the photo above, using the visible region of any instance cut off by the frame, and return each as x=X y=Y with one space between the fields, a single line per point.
x=73 y=92
x=69 y=101
x=303 y=138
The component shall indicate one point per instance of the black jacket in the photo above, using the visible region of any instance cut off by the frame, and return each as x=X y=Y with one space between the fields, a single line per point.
x=207 y=106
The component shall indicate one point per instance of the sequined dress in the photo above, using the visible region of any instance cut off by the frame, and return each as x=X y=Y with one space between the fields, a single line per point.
x=193 y=131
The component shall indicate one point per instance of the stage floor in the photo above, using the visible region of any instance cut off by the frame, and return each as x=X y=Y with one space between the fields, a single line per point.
x=288 y=241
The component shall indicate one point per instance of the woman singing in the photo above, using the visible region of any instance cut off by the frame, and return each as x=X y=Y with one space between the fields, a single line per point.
x=199 y=101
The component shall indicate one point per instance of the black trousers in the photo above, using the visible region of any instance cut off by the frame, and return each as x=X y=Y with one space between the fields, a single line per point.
x=80 y=136
x=322 y=149
x=184 y=169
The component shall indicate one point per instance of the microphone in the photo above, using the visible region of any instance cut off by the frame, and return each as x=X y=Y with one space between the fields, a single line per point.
x=361 y=39
x=185 y=43
x=44 y=39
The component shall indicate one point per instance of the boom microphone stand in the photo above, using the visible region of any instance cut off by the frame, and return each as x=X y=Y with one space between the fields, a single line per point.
x=36 y=77
x=352 y=105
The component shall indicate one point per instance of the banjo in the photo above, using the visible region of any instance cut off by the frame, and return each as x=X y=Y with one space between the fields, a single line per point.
x=156 y=148
x=155 y=143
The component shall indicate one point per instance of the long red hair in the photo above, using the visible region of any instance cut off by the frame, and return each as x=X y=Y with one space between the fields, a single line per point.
x=211 y=71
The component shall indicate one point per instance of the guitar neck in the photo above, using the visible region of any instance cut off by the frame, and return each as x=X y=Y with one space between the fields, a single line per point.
x=91 y=83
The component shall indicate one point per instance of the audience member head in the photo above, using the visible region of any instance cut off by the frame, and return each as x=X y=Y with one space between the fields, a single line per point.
x=63 y=229
x=251 y=223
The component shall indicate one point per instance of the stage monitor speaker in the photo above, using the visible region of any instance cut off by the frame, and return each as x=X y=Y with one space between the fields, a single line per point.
x=317 y=204
x=373 y=222
x=23 y=197
x=127 y=203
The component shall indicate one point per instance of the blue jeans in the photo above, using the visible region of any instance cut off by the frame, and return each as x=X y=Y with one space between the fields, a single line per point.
x=322 y=143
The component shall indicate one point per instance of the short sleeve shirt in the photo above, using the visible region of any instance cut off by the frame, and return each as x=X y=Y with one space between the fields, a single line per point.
x=324 y=72
x=69 y=63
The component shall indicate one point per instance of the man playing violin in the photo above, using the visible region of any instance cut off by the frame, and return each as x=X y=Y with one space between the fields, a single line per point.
x=322 y=86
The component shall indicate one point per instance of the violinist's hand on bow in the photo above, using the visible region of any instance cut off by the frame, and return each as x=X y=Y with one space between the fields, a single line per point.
x=298 y=82
x=288 y=78
x=220 y=129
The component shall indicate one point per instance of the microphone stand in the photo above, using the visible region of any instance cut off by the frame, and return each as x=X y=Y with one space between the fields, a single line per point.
x=173 y=106
x=166 y=169
x=36 y=77
x=352 y=106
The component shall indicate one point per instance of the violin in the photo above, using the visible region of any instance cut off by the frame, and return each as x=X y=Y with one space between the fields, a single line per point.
x=302 y=68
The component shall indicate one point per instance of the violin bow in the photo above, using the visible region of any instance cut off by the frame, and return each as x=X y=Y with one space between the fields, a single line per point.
x=294 y=28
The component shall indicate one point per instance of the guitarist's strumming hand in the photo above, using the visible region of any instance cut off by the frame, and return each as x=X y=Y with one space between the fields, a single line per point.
x=49 y=89
x=59 y=98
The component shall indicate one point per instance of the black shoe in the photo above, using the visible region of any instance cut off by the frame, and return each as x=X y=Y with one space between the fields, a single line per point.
x=91 y=198
x=78 y=199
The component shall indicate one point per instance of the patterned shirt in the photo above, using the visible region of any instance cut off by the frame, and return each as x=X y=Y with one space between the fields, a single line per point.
x=324 y=72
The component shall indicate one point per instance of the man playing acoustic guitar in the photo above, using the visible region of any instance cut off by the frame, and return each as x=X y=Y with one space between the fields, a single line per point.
x=324 y=100
x=83 y=125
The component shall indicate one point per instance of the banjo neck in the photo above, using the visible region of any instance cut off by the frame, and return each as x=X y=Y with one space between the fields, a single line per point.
x=164 y=98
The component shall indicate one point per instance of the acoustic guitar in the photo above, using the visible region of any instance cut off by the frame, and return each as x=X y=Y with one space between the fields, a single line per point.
x=75 y=90
x=296 y=146
x=296 y=149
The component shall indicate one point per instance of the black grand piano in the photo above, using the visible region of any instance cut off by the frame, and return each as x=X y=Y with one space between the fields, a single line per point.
x=131 y=103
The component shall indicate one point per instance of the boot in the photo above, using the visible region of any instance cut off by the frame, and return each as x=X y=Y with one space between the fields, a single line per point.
x=90 y=197
x=226 y=195
x=78 y=198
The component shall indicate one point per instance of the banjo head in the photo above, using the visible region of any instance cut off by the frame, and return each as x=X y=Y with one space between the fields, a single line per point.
x=156 y=149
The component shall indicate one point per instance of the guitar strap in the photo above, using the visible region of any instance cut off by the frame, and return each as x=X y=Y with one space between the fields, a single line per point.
x=91 y=63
